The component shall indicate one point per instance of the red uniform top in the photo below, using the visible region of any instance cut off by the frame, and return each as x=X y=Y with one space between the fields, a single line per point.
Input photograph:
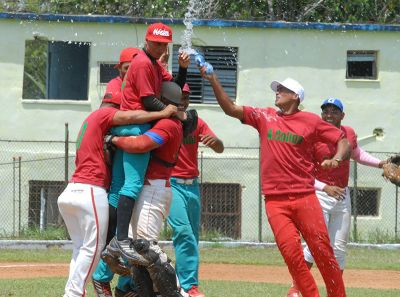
x=113 y=91
x=287 y=141
x=170 y=130
x=186 y=166
x=144 y=78
x=90 y=164
x=334 y=176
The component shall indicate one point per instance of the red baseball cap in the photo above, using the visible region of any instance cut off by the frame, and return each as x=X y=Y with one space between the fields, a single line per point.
x=159 y=32
x=186 y=88
x=126 y=55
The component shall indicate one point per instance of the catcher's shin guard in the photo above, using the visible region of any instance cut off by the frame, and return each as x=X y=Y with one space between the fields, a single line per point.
x=102 y=289
x=161 y=271
x=143 y=282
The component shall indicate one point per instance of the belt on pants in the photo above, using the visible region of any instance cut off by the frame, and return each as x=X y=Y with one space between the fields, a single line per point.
x=185 y=181
x=157 y=182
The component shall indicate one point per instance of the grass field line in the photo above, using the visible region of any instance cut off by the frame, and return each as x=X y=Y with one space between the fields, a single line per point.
x=355 y=278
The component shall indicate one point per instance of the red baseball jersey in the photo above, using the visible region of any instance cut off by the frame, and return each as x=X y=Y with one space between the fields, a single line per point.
x=144 y=78
x=186 y=166
x=170 y=130
x=90 y=164
x=113 y=90
x=334 y=176
x=287 y=146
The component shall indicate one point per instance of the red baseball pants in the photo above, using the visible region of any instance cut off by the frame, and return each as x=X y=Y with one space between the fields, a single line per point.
x=290 y=214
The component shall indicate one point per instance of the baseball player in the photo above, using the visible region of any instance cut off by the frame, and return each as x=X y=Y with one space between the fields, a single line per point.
x=141 y=90
x=103 y=275
x=287 y=137
x=84 y=204
x=152 y=207
x=185 y=212
x=332 y=186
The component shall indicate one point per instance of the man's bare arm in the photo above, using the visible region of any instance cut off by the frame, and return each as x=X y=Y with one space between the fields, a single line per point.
x=141 y=116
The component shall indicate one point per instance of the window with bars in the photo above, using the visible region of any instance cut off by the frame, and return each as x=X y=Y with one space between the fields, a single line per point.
x=107 y=72
x=368 y=200
x=224 y=61
x=43 y=208
x=221 y=208
x=361 y=65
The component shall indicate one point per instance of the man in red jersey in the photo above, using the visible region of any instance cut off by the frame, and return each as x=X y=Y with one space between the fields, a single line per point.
x=287 y=137
x=141 y=90
x=185 y=212
x=332 y=185
x=113 y=93
x=84 y=204
x=152 y=207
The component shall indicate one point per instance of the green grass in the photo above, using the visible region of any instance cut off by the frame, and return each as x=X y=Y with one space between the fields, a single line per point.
x=357 y=258
x=53 y=287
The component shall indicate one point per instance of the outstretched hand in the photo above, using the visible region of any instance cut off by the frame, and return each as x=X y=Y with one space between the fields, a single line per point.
x=184 y=60
x=203 y=73
x=208 y=140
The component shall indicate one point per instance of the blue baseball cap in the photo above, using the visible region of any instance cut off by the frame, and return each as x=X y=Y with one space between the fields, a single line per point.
x=333 y=101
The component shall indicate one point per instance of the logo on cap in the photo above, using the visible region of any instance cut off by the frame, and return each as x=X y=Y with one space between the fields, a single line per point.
x=160 y=32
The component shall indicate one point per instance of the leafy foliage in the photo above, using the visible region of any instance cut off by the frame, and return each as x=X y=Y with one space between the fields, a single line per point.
x=382 y=11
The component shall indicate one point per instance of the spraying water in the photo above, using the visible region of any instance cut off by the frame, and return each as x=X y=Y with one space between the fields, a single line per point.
x=186 y=39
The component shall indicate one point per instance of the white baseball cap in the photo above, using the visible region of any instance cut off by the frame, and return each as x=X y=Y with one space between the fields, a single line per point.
x=290 y=84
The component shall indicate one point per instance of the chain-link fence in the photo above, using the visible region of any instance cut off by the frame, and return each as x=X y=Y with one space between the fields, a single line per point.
x=34 y=173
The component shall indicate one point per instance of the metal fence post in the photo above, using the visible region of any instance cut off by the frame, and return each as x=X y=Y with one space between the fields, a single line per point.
x=355 y=193
x=66 y=153
x=19 y=195
x=14 y=194
x=396 y=213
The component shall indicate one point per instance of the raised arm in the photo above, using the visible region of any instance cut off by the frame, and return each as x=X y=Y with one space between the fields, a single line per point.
x=141 y=116
x=227 y=105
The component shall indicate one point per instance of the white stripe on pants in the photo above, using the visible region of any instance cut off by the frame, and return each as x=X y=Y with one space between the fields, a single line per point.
x=337 y=215
x=84 y=209
x=151 y=209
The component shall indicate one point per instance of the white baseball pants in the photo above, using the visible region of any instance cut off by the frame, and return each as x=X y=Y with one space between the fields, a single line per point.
x=150 y=211
x=337 y=215
x=84 y=209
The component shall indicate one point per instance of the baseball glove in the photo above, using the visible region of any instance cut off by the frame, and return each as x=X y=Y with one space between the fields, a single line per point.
x=391 y=170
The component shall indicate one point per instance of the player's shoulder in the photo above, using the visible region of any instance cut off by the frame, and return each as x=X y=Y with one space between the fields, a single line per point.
x=349 y=131
x=168 y=122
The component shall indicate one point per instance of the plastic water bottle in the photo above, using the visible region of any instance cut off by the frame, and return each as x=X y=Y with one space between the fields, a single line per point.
x=200 y=61
x=199 y=58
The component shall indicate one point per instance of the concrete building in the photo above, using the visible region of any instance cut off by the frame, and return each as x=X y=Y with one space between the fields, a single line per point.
x=356 y=63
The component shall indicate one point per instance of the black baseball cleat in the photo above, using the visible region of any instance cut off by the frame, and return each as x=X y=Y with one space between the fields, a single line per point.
x=124 y=248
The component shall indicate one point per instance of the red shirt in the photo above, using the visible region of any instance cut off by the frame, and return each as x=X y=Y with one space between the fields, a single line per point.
x=171 y=132
x=287 y=143
x=89 y=162
x=335 y=176
x=113 y=90
x=186 y=166
x=144 y=78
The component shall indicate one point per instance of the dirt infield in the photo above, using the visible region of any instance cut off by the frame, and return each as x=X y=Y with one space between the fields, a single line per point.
x=376 y=279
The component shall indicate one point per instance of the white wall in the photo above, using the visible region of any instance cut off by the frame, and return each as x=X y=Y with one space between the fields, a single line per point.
x=316 y=58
